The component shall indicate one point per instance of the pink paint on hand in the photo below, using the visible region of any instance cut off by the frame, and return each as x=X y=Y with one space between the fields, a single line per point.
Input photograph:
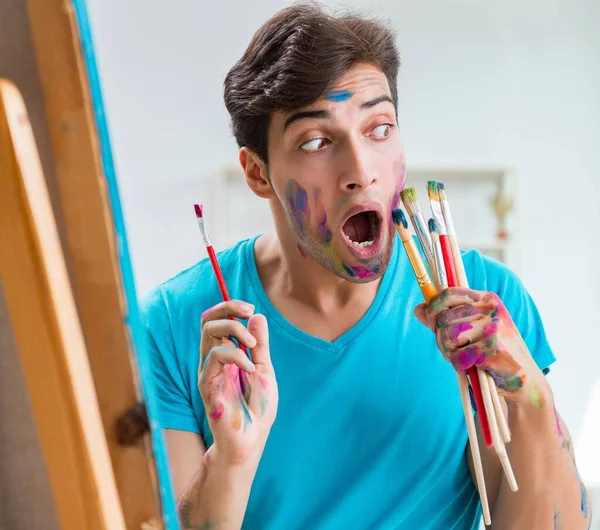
x=458 y=329
x=218 y=412
x=262 y=381
x=558 y=429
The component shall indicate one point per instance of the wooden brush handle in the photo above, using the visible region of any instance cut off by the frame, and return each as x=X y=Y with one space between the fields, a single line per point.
x=463 y=385
x=427 y=288
x=461 y=274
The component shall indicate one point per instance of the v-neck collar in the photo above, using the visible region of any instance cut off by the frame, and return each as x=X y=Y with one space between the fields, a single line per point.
x=275 y=317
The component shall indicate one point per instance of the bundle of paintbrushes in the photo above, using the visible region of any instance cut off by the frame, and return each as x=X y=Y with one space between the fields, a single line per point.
x=440 y=247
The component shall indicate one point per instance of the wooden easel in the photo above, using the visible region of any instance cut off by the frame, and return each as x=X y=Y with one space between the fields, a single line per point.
x=48 y=333
x=73 y=323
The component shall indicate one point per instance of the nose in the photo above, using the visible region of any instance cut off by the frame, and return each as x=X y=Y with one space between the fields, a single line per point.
x=356 y=173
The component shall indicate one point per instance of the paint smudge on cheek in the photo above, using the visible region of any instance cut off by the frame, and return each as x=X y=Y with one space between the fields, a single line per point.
x=394 y=202
x=364 y=272
x=297 y=199
x=402 y=176
x=337 y=96
x=348 y=270
x=322 y=231
x=584 y=502
x=301 y=251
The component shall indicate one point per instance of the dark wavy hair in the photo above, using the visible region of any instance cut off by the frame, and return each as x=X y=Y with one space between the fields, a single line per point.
x=292 y=61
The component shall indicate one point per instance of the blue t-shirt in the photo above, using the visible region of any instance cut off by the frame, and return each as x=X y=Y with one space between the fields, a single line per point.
x=370 y=433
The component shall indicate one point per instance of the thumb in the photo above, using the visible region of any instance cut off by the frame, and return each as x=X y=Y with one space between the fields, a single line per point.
x=420 y=313
x=261 y=355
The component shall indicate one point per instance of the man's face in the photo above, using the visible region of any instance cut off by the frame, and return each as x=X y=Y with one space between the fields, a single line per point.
x=337 y=168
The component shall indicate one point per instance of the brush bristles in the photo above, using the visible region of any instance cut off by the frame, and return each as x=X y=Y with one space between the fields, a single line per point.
x=442 y=191
x=433 y=227
x=201 y=225
x=409 y=199
x=433 y=191
x=409 y=194
x=401 y=224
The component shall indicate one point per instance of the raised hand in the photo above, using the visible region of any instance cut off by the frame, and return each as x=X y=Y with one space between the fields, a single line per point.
x=240 y=396
x=474 y=328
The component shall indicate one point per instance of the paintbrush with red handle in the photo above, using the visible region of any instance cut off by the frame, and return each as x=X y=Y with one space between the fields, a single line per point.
x=213 y=260
x=436 y=209
x=493 y=407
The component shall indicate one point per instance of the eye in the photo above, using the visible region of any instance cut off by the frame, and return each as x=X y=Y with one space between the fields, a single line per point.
x=315 y=144
x=382 y=131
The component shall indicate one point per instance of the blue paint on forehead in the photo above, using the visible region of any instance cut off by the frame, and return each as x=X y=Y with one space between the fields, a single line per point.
x=339 y=95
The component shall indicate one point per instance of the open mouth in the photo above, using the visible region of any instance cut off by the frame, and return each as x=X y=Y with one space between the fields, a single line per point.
x=362 y=230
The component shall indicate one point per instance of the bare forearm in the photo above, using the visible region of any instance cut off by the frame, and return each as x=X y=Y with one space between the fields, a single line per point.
x=217 y=496
x=551 y=494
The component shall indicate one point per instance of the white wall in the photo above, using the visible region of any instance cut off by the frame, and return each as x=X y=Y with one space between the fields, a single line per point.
x=483 y=83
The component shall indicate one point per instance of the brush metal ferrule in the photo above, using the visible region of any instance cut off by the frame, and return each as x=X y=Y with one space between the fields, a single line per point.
x=448 y=217
x=436 y=210
x=422 y=234
x=416 y=263
x=439 y=265
x=203 y=231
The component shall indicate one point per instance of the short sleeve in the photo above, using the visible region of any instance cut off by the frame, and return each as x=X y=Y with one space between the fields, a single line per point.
x=168 y=383
x=490 y=275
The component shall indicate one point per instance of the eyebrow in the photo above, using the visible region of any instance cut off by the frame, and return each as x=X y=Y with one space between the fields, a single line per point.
x=325 y=115
x=376 y=101
x=306 y=114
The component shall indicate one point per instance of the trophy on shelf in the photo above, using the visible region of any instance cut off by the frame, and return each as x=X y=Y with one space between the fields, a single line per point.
x=502 y=204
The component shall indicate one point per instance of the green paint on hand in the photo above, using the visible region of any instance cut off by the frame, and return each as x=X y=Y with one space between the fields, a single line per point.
x=263 y=402
x=536 y=397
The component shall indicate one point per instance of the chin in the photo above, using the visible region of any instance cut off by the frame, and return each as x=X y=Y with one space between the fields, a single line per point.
x=367 y=278
x=365 y=271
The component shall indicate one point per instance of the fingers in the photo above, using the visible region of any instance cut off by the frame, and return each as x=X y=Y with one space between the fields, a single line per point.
x=466 y=313
x=449 y=298
x=461 y=334
x=222 y=329
x=472 y=355
x=261 y=354
x=219 y=332
x=421 y=313
x=225 y=310
x=220 y=356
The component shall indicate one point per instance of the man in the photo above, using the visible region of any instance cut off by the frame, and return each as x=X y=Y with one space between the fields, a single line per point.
x=348 y=415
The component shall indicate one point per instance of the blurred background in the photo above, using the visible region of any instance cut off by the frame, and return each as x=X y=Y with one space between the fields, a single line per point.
x=500 y=99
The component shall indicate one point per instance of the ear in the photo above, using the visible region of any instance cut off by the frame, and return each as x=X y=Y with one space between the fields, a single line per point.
x=256 y=173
